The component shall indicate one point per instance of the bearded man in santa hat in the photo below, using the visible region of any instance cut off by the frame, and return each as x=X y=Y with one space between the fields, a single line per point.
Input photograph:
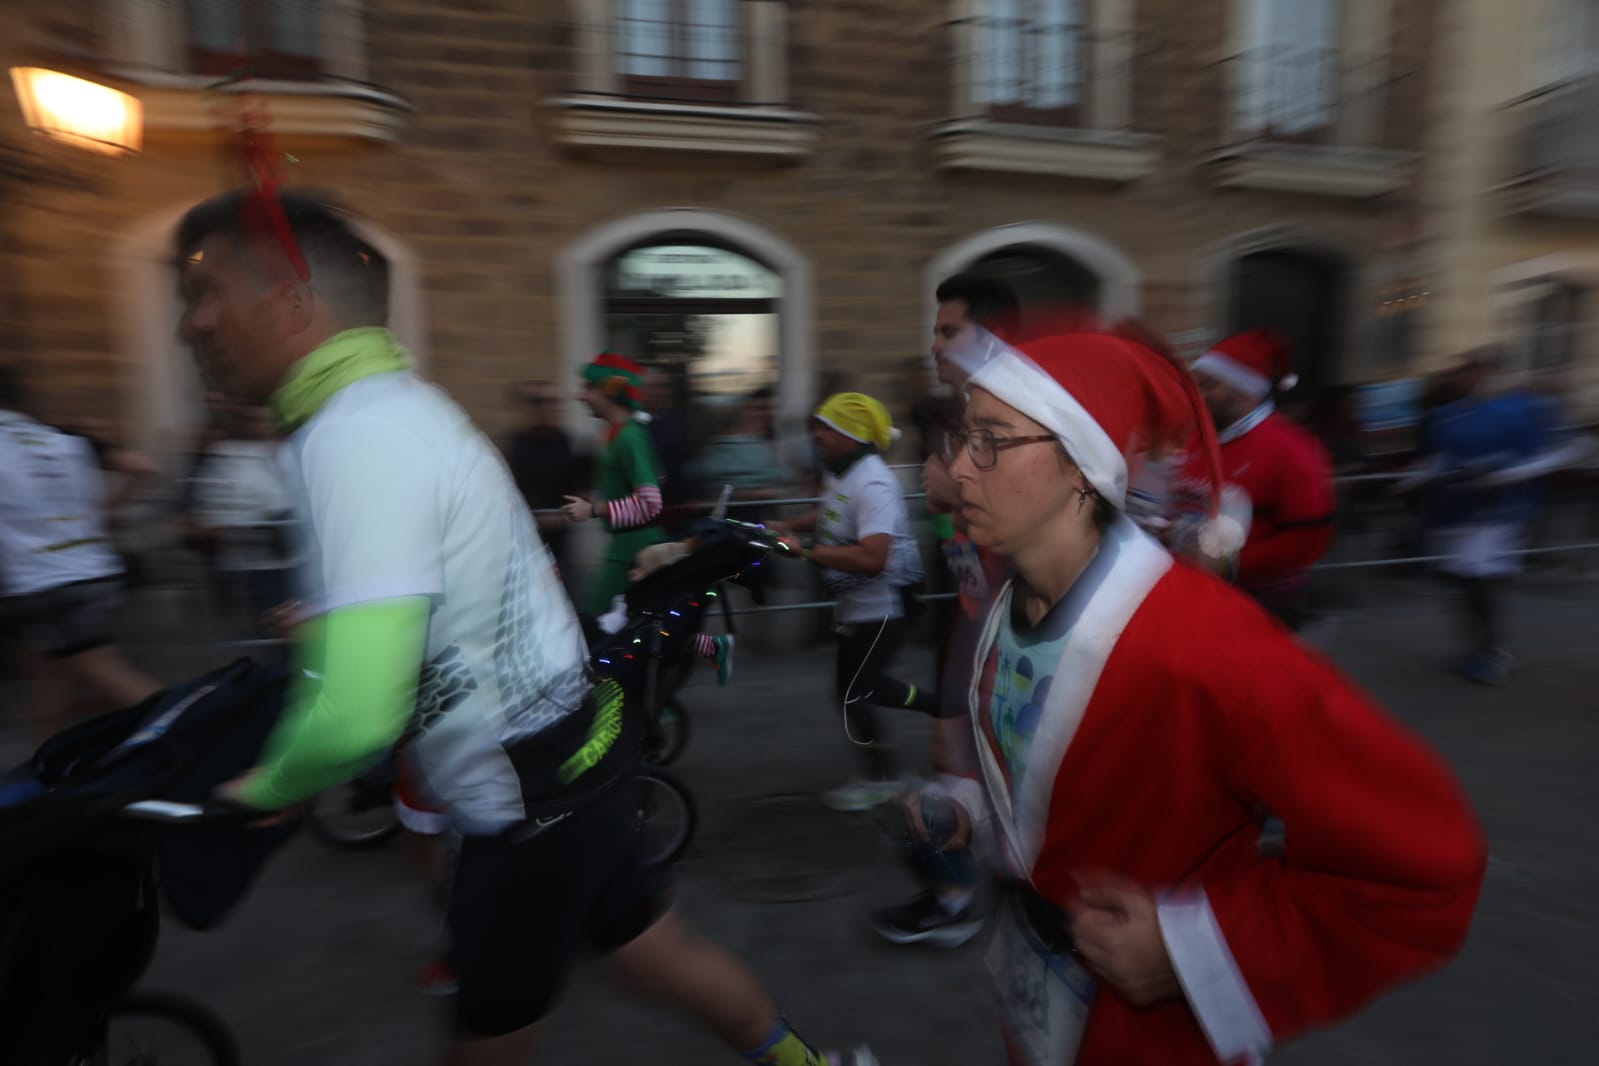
x=1283 y=470
x=1135 y=721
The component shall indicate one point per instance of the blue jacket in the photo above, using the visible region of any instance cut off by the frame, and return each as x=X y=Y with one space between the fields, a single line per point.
x=1474 y=437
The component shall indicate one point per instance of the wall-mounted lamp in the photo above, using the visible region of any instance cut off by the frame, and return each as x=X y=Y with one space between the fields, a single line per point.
x=81 y=112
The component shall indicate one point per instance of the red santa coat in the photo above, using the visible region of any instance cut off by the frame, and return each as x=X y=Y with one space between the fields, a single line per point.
x=1179 y=714
x=1287 y=475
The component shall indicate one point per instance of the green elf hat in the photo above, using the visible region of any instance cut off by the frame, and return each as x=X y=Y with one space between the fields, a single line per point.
x=617 y=377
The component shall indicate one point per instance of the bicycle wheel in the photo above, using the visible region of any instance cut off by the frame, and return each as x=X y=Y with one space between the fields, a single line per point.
x=163 y=1029
x=353 y=815
x=667 y=816
x=670 y=735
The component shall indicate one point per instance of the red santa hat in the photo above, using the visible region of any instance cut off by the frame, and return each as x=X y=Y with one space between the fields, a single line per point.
x=1256 y=363
x=1112 y=403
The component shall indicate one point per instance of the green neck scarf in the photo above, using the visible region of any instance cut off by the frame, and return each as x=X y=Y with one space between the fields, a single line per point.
x=341 y=360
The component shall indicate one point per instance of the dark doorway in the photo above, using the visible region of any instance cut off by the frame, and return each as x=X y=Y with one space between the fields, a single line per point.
x=1300 y=295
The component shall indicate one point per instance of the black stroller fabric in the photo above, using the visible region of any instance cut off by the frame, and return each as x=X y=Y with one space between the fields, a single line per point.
x=78 y=913
x=178 y=745
x=721 y=552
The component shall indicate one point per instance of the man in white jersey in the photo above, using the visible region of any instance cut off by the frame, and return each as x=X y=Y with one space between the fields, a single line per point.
x=433 y=609
x=60 y=582
x=868 y=557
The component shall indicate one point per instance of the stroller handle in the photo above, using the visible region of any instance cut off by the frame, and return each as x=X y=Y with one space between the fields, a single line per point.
x=208 y=814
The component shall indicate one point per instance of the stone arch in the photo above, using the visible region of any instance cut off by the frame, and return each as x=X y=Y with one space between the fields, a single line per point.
x=1119 y=277
x=582 y=297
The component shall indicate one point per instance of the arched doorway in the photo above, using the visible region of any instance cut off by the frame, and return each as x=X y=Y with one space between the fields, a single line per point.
x=1046 y=264
x=1303 y=295
x=1042 y=277
x=724 y=300
x=702 y=315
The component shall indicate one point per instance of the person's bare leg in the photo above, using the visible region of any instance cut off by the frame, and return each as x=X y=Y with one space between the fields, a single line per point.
x=54 y=696
x=668 y=963
x=114 y=682
x=512 y=1049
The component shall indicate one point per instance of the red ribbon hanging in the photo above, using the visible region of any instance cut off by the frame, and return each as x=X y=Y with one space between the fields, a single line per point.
x=263 y=209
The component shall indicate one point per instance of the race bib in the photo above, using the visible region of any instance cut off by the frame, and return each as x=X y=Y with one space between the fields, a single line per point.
x=1043 y=997
x=967 y=570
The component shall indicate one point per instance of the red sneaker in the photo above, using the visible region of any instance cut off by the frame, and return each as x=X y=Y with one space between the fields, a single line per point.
x=436 y=979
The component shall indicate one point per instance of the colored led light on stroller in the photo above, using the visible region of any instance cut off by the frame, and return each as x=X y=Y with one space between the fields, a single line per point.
x=674 y=614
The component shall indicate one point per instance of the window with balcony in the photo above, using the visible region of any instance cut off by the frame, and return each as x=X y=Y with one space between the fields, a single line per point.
x=680 y=49
x=1287 y=79
x=1553 y=149
x=1044 y=87
x=308 y=57
x=687 y=78
x=1029 y=65
x=274 y=38
x=1312 y=102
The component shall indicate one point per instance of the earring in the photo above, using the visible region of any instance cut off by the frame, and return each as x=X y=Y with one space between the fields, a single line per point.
x=1082 y=499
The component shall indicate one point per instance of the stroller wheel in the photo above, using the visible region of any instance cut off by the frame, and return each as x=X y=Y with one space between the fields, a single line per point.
x=667 y=816
x=353 y=816
x=162 y=1029
x=669 y=736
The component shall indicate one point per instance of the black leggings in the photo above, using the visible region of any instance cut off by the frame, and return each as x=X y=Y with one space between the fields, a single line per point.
x=1485 y=615
x=865 y=651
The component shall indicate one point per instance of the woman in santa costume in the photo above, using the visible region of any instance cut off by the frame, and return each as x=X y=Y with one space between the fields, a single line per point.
x=1134 y=722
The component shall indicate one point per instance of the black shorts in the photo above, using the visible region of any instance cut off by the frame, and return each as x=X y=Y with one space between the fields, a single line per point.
x=68 y=619
x=522 y=909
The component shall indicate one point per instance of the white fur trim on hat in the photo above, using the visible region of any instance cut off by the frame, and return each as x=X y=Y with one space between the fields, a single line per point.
x=973 y=350
x=1229 y=371
x=1016 y=380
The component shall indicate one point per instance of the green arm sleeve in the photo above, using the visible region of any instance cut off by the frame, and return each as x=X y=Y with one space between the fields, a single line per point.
x=355 y=692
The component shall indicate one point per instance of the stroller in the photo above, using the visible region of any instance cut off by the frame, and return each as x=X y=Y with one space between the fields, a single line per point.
x=89 y=834
x=651 y=655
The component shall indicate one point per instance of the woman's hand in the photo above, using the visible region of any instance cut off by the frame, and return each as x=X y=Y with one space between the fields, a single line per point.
x=1117 y=930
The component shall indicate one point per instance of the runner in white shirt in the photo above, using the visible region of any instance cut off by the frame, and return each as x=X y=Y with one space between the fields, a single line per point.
x=239 y=509
x=868 y=557
x=60 y=582
x=433 y=608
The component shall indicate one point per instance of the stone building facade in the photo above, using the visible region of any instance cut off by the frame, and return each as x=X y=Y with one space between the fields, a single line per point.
x=811 y=167
x=1513 y=218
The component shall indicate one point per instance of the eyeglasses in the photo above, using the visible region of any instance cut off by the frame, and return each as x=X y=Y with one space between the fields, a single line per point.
x=983 y=446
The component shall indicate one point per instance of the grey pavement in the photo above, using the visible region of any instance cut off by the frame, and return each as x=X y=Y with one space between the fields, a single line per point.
x=318 y=964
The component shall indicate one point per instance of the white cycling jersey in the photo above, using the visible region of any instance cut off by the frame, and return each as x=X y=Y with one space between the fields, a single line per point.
x=400 y=495
x=52 y=509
